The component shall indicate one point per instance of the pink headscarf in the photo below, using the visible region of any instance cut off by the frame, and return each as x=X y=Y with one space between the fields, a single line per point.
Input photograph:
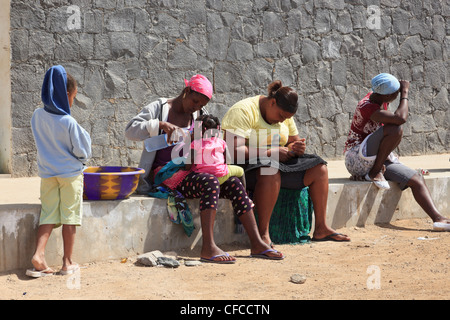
x=200 y=84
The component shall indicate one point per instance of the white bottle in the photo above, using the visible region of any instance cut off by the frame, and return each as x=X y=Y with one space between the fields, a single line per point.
x=160 y=142
x=156 y=143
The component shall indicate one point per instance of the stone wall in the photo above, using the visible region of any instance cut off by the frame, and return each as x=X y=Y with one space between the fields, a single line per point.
x=126 y=53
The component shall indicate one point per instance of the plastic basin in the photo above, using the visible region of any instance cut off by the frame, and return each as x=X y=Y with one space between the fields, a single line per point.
x=110 y=183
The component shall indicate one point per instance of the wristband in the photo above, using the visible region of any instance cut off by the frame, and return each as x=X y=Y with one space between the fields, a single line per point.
x=404 y=98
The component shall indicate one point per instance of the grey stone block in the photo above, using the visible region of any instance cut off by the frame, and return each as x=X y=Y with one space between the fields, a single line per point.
x=124 y=44
x=125 y=54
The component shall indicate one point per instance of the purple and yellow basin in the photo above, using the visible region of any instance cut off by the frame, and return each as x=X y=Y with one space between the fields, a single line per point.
x=110 y=183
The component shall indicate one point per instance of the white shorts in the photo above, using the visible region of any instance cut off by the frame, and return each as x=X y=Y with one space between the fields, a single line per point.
x=356 y=160
x=358 y=163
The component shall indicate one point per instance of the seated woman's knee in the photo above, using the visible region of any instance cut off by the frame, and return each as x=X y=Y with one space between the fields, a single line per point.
x=416 y=180
x=320 y=170
x=323 y=169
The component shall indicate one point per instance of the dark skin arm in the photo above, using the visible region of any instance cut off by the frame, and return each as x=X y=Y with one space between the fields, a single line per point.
x=168 y=128
x=295 y=147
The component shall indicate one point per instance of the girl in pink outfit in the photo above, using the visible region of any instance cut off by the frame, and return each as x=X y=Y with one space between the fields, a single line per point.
x=208 y=154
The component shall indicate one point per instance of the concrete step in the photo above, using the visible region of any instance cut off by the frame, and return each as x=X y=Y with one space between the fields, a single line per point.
x=123 y=228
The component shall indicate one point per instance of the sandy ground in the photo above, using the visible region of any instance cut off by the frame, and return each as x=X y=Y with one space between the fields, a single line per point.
x=401 y=260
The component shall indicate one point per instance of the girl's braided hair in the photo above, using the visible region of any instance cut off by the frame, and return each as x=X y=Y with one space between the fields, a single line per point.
x=209 y=122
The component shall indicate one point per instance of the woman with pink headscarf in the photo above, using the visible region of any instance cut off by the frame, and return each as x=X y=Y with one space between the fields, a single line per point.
x=167 y=116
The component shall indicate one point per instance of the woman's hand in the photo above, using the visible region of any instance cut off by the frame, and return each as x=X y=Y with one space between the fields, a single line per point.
x=294 y=149
x=404 y=86
x=298 y=147
x=169 y=129
x=284 y=154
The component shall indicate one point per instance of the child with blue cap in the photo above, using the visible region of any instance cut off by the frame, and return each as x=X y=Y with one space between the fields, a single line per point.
x=374 y=133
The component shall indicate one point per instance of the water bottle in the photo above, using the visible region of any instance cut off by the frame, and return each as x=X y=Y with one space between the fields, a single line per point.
x=156 y=143
x=160 y=142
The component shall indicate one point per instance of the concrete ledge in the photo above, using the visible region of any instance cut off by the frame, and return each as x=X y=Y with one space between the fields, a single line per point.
x=110 y=230
x=353 y=203
x=117 y=229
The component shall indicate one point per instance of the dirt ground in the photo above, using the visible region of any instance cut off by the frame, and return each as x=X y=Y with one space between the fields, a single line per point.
x=401 y=260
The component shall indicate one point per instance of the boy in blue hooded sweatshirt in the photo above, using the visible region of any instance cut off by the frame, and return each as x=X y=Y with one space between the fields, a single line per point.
x=63 y=147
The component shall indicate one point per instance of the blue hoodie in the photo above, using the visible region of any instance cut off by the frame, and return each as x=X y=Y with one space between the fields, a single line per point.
x=63 y=146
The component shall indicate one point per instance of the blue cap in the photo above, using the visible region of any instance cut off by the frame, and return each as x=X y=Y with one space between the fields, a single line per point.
x=385 y=83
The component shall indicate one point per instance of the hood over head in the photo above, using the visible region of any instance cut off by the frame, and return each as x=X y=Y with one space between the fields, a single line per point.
x=54 y=91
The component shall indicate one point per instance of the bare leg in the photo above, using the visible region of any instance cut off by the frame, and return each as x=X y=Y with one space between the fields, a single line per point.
x=423 y=197
x=257 y=244
x=265 y=197
x=316 y=179
x=38 y=260
x=392 y=135
x=68 y=233
x=209 y=247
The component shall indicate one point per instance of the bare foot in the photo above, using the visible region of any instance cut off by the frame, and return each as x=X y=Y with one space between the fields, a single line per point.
x=40 y=264
x=267 y=250
x=219 y=258
x=267 y=240
x=69 y=269
x=329 y=234
x=69 y=266
x=338 y=237
x=215 y=254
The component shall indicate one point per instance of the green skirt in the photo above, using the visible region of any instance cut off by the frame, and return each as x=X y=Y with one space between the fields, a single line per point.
x=291 y=217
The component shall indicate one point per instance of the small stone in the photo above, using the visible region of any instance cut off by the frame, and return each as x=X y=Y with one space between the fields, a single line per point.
x=171 y=254
x=168 y=262
x=147 y=260
x=150 y=258
x=298 y=278
x=192 y=263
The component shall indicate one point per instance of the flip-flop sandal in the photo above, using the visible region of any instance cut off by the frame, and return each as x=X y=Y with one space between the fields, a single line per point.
x=441 y=226
x=39 y=273
x=380 y=184
x=72 y=269
x=213 y=259
x=263 y=255
x=423 y=172
x=330 y=238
